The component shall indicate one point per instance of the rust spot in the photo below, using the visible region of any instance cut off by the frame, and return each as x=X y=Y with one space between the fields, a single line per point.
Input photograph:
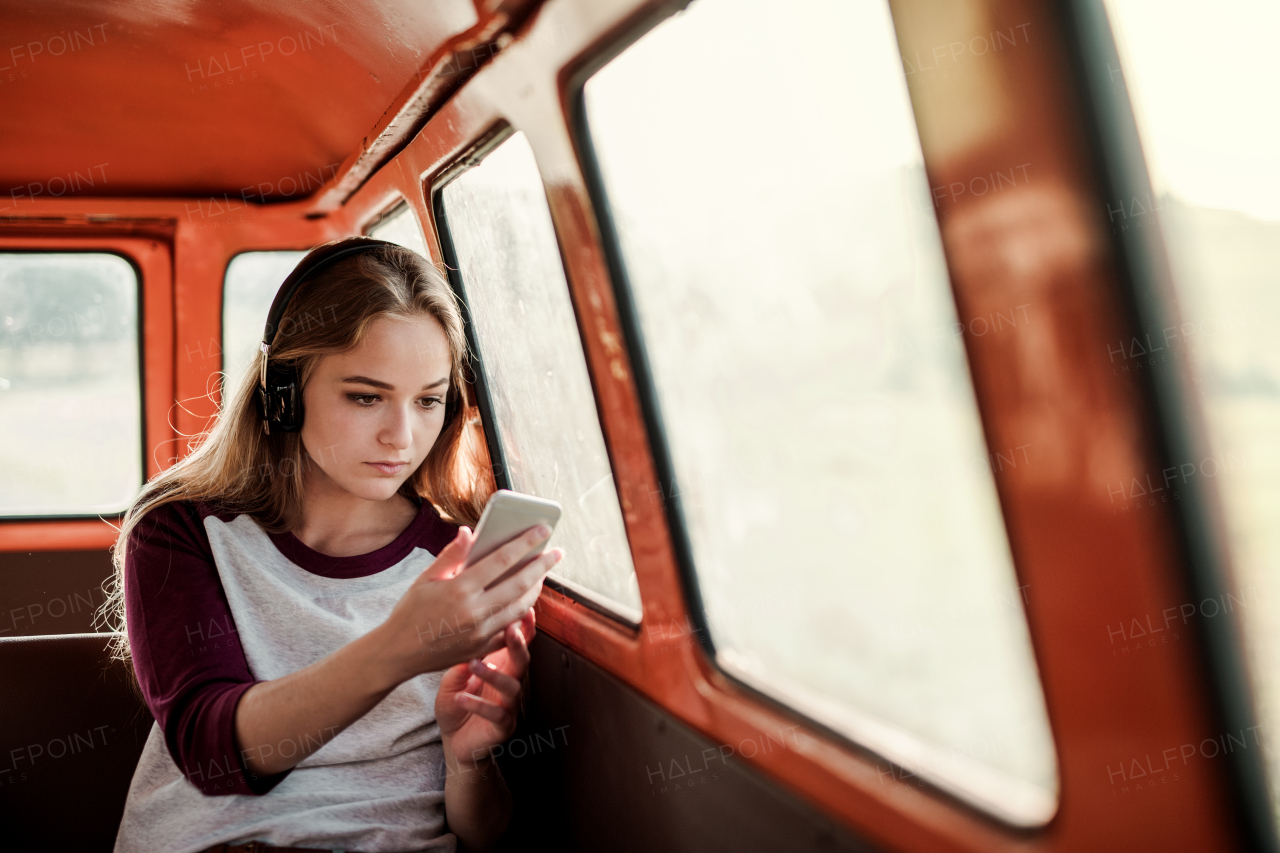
x=610 y=341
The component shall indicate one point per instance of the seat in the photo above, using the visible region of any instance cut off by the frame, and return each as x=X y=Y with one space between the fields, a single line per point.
x=72 y=726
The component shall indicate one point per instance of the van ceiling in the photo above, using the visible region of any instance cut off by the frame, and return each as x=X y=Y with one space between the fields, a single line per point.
x=199 y=98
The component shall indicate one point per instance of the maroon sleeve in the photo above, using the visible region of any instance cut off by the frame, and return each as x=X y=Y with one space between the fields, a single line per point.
x=186 y=651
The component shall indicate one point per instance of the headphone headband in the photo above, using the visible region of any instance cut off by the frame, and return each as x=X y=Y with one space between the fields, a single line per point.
x=315 y=260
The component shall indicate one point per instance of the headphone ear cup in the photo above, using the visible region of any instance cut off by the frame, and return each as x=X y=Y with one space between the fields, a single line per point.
x=281 y=404
x=291 y=408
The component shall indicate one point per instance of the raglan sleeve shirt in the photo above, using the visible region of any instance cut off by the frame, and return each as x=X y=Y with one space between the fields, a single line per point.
x=186 y=652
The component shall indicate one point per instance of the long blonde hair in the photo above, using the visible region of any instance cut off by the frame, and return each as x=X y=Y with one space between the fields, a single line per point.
x=238 y=468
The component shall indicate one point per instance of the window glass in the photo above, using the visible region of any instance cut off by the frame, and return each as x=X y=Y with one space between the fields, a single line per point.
x=252 y=281
x=1208 y=127
x=70 y=389
x=400 y=226
x=829 y=465
x=544 y=409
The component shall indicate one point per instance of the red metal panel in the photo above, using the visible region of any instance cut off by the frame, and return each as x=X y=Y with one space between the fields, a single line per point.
x=185 y=99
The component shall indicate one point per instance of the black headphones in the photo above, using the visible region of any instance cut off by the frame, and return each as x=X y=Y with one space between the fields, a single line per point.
x=279 y=396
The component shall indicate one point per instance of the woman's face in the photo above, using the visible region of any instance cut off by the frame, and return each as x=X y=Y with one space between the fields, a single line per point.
x=372 y=414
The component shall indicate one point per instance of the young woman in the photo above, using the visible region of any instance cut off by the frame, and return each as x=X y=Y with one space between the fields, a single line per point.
x=323 y=672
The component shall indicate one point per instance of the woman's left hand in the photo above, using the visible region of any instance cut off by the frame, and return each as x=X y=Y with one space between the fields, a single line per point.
x=476 y=702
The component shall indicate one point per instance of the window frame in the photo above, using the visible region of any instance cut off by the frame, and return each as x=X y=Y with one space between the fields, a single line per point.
x=489 y=142
x=150 y=261
x=399 y=205
x=882 y=748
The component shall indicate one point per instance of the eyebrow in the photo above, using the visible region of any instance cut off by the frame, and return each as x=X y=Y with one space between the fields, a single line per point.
x=386 y=386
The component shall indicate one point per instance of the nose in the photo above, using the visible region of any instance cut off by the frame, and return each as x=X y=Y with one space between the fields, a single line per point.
x=397 y=429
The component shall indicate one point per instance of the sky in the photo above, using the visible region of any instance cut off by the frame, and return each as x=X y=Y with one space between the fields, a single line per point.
x=1203 y=81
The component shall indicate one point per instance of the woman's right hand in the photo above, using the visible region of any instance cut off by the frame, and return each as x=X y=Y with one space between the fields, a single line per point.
x=447 y=617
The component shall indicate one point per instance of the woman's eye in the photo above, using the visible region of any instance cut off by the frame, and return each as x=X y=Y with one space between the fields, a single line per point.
x=430 y=403
x=363 y=399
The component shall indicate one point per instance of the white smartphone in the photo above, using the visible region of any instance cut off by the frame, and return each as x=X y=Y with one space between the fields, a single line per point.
x=507 y=515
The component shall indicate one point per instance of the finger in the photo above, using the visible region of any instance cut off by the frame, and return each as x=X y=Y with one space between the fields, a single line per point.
x=517 y=650
x=489 y=569
x=496 y=678
x=451 y=557
x=502 y=615
x=515 y=586
x=491 y=711
x=529 y=625
x=499 y=658
x=496 y=642
x=456 y=678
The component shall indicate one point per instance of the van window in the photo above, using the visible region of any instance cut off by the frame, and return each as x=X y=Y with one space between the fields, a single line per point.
x=400 y=226
x=495 y=220
x=251 y=283
x=823 y=454
x=70 y=385
x=1216 y=199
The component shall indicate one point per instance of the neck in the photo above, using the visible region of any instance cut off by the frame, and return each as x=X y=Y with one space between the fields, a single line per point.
x=340 y=524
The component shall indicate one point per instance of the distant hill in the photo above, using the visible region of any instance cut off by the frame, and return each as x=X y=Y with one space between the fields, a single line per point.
x=1227 y=266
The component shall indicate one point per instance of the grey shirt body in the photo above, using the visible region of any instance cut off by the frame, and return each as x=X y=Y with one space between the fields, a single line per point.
x=377 y=787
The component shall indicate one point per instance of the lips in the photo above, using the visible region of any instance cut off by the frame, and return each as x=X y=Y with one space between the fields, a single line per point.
x=388 y=468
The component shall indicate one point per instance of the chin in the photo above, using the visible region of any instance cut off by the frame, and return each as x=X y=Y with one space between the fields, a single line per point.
x=373 y=490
